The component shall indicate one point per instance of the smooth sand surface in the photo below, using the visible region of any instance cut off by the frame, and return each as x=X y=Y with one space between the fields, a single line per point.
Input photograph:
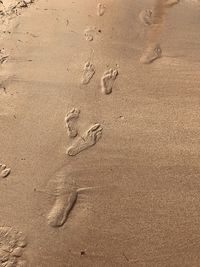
x=137 y=180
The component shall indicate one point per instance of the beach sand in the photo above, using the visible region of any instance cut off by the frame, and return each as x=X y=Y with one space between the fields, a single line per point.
x=99 y=151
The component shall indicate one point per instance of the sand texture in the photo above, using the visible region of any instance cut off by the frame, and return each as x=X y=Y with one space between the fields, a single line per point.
x=100 y=133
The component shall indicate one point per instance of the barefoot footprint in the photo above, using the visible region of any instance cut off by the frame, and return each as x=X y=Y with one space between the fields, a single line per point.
x=90 y=138
x=88 y=73
x=89 y=33
x=146 y=16
x=69 y=122
x=107 y=80
x=152 y=53
x=4 y=172
x=101 y=9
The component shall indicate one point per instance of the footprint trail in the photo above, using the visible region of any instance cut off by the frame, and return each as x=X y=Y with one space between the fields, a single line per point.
x=153 y=50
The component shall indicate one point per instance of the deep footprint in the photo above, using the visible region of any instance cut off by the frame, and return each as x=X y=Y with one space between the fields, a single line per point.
x=61 y=209
x=70 y=122
x=65 y=199
x=146 y=16
x=88 y=73
x=151 y=54
x=4 y=171
x=90 y=138
x=108 y=80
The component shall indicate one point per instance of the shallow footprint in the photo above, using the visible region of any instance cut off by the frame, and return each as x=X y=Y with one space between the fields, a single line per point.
x=151 y=54
x=88 y=73
x=170 y=3
x=101 y=9
x=69 y=122
x=4 y=172
x=146 y=16
x=90 y=138
x=89 y=33
x=107 y=80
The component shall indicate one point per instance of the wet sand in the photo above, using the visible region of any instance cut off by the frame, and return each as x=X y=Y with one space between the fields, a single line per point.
x=130 y=196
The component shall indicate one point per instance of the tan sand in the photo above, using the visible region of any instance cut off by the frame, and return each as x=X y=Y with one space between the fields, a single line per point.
x=116 y=184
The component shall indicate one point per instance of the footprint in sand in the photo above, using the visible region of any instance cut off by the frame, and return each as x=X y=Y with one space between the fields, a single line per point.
x=170 y=3
x=89 y=33
x=60 y=211
x=65 y=201
x=101 y=9
x=88 y=73
x=3 y=56
x=152 y=53
x=4 y=171
x=108 y=80
x=90 y=138
x=70 y=119
x=12 y=244
x=146 y=16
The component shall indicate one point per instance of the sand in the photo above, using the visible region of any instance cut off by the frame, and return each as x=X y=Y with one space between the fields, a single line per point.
x=99 y=114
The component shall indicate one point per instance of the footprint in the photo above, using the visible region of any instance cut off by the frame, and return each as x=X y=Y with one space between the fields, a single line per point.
x=3 y=56
x=170 y=3
x=90 y=138
x=101 y=9
x=69 y=122
x=12 y=244
x=152 y=53
x=88 y=73
x=61 y=208
x=65 y=200
x=146 y=16
x=89 y=33
x=107 y=80
x=4 y=172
